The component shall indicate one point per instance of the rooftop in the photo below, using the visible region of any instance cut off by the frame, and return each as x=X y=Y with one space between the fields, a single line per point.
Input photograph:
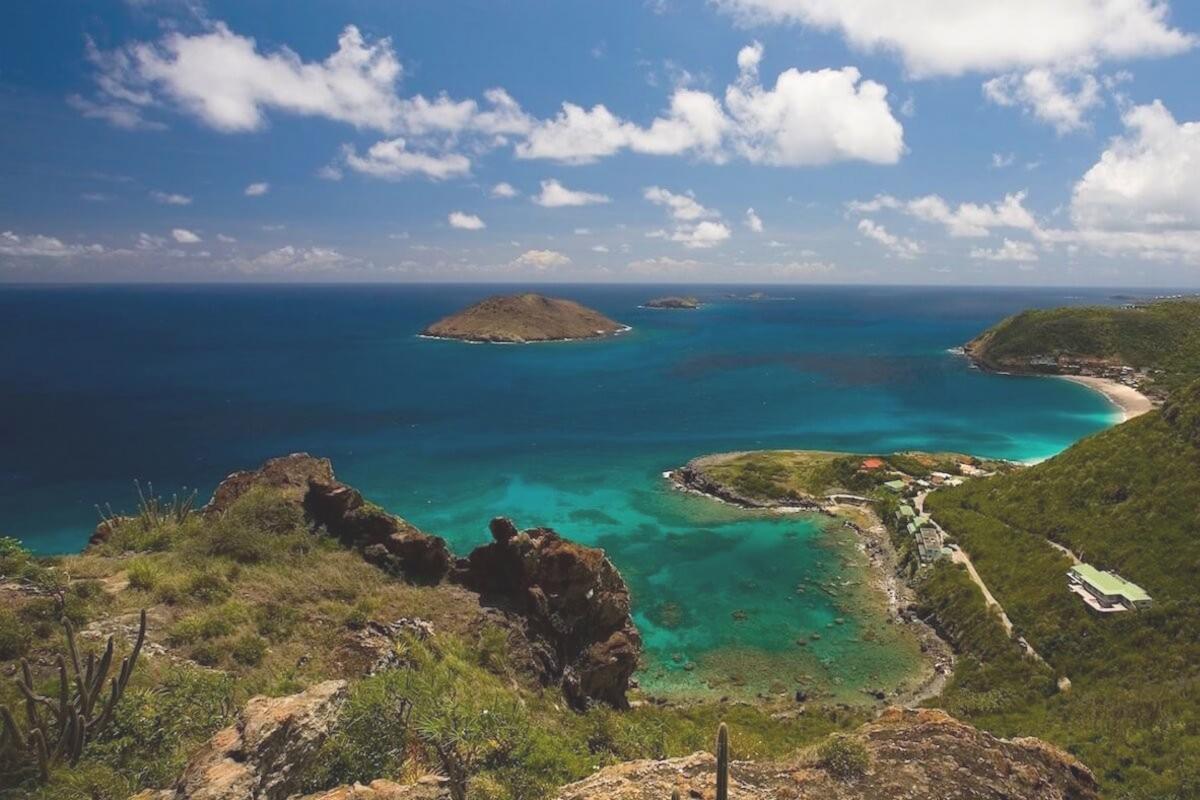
x=1110 y=583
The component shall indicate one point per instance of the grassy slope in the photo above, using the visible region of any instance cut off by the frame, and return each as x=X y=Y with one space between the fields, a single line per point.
x=783 y=475
x=1161 y=336
x=1125 y=499
x=256 y=603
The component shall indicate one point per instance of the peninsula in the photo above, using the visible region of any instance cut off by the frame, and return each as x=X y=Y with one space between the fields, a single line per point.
x=524 y=318
x=681 y=303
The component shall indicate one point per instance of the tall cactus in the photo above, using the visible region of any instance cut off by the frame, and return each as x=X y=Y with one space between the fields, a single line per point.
x=722 y=762
x=78 y=713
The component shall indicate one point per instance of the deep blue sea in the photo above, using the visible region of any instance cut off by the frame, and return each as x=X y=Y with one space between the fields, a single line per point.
x=182 y=385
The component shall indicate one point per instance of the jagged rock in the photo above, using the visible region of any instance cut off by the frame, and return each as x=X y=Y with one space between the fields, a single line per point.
x=917 y=755
x=261 y=755
x=291 y=474
x=573 y=600
x=385 y=539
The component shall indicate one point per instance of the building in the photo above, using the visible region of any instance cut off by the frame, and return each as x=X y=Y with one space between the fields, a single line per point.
x=929 y=545
x=873 y=463
x=894 y=486
x=905 y=514
x=1106 y=591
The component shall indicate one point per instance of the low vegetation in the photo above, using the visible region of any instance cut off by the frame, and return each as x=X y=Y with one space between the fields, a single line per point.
x=1123 y=499
x=1162 y=337
x=254 y=602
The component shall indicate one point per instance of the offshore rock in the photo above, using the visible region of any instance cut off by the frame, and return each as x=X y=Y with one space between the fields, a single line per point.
x=574 y=603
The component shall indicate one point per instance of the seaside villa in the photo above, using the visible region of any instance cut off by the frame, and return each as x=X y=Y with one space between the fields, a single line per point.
x=1106 y=592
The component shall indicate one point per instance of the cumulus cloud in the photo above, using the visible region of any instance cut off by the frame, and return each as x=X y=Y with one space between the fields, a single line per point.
x=171 y=198
x=698 y=227
x=292 y=259
x=541 y=259
x=1146 y=179
x=184 y=236
x=753 y=221
x=898 y=246
x=257 y=189
x=555 y=195
x=40 y=246
x=1058 y=99
x=1009 y=251
x=504 y=190
x=664 y=265
x=682 y=207
x=466 y=222
x=391 y=159
x=815 y=117
x=966 y=220
x=952 y=37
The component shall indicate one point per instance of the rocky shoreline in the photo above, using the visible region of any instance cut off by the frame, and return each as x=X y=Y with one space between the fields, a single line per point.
x=874 y=541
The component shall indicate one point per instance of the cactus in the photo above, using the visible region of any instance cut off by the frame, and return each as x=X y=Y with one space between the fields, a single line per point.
x=722 y=762
x=78 y=713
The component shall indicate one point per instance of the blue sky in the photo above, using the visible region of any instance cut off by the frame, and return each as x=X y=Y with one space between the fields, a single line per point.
x=992 y=142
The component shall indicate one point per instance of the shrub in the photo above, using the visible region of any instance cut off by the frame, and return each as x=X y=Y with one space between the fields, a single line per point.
x=844 y=756
x=143 y=574
x=14 y=558
x=275 y=621
x=14 y=635
x=206 y=654
x=204 y=625
x=207 y=586
x=260 y=525
x=249 y=650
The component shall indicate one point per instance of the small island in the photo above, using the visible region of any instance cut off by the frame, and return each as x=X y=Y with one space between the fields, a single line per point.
x=682 y=303
x=523 y=318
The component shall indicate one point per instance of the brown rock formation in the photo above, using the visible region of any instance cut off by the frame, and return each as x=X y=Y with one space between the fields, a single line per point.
x=385 y=539
x=916 y=755
x=575 y=604
x=524 y=318
x=261 y=755
x=430 y=789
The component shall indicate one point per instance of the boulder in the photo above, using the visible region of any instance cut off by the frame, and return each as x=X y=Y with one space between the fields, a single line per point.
x=292 y=475
x=573 y=601
x=431 y=788
x=261 y=756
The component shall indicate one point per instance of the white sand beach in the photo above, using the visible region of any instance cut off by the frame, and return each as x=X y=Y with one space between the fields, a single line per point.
x=1131 y=402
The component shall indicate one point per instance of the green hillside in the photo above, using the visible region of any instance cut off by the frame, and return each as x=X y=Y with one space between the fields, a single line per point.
x=1124 y=499
x=1164 y=335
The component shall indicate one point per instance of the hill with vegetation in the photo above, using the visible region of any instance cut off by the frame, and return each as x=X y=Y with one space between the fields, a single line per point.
x=524 y=318
x=1123 y=499
x=1162 y=338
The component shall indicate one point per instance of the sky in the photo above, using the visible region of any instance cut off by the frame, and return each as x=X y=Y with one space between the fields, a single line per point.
x=995 y=142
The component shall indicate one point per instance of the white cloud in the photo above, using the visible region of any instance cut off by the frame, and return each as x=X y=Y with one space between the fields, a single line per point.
x=39 y=246
x=599 y=248
x=555 y=195
x=1146 y=179
x=257 y=189
x=1010 y=251
x=806 y=118
x=967 y=220
x=391 y=159
x=898 y=246
x=329 y=172
x=951 y=37
x=1003 y=160
x=1056 y=98
x=702 y=236
x=504 y=190
x=466 y=222
x=292 y=259
x=753 y=221
x=184 y=236
x=541 y=259
x=225 y=239
x=664 y=265
x=171 y=198
x=682 y=207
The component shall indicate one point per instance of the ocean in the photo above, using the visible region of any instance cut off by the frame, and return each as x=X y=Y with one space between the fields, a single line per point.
x=180 y=385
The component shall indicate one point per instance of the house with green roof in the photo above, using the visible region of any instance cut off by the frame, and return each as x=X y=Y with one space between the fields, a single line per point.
x=1106 y=591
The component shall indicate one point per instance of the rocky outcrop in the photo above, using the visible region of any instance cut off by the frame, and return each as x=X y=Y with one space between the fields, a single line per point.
x=262 y=755
x=916 y=755
x=432 y=788
x=383 y=538
x=575 y=603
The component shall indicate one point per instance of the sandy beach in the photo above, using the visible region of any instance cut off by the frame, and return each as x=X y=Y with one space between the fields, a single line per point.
x=1131 y=402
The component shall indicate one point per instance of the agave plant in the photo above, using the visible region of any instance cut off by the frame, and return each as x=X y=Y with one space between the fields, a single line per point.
x=58 y=728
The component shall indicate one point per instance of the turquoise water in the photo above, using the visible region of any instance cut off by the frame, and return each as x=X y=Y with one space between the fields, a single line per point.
x=182 y=385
